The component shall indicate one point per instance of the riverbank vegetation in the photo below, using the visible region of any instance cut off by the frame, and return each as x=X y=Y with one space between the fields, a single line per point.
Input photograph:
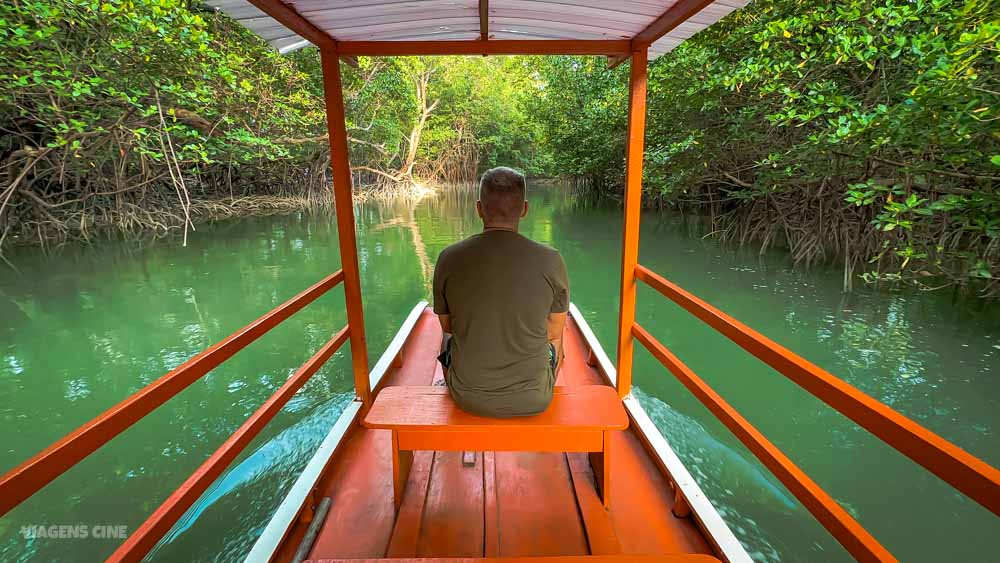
x=864 y=132
x=131 y=116
x=859 y=132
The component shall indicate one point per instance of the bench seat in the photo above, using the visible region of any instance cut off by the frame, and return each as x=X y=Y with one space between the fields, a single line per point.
x=579 y=419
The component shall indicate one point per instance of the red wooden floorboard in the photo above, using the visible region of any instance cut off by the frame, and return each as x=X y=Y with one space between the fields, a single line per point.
x=575 y=370
x=419 y=354
x=491 y=513
x=361 y=515
x=524 y=504
x=537 y=506
x=642 y=504
x=359 y=481
x=601 y=536
x=453 y=512
x=409 y=521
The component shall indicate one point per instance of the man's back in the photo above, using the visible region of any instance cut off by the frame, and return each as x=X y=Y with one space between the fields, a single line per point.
x=498 y=289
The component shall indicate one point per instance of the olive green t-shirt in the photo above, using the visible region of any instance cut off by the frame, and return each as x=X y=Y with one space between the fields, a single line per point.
x=498 y=288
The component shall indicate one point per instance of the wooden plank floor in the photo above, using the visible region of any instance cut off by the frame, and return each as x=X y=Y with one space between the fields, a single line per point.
x=505 y=504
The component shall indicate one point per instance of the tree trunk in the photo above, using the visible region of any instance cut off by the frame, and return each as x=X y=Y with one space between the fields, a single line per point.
x=421 y=82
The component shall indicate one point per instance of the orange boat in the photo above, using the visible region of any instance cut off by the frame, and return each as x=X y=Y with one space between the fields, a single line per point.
x=405 y=474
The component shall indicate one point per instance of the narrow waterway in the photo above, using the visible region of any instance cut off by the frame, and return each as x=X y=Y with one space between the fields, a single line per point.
x=83 y=330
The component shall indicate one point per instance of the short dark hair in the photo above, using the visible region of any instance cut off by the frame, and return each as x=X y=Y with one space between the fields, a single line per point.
x=501 y=194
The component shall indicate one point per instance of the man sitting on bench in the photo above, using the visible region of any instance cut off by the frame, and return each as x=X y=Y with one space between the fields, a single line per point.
x=502 y=301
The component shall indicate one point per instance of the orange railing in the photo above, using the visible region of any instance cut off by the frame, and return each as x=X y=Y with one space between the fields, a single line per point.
x=27 y=478
x=965 y=472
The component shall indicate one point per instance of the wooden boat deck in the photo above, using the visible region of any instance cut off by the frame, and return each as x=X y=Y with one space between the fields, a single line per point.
x=504 y=504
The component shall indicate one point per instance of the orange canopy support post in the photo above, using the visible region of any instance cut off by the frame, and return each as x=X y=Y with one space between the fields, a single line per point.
x=484 y=20
x=344 y=206
x=633 y=205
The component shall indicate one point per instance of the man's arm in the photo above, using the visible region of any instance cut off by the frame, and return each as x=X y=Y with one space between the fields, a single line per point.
x=559 y=281
x=556 y=324
x=440 y=301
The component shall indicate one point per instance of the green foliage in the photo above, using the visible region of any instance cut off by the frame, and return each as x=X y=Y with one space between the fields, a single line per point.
x=78 y=71
x=490 y=99
x=122 y=112
x=861 y=131
x=582 y=106
x=126 y=114
x=863 y=128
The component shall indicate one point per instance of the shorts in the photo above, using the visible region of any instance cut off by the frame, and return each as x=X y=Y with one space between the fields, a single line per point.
x=445 y=356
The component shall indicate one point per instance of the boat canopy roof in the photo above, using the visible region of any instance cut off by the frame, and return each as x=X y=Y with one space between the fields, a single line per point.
x=658 y=25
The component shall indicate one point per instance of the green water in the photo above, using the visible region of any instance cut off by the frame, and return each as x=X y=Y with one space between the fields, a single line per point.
x=82 y=331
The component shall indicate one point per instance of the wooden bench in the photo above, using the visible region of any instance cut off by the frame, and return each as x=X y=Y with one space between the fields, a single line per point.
x=579 y=419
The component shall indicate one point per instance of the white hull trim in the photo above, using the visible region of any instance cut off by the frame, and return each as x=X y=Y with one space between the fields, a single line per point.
x=281 y=522
x=714 y=527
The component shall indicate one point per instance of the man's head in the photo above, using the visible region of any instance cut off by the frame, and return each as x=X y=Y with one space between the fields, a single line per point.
x=501 y=198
